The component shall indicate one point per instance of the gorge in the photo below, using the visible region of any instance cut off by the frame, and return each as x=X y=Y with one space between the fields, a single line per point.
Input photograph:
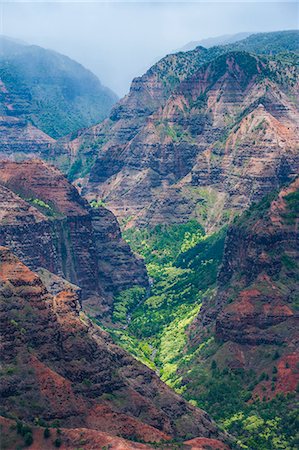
x=149 y=259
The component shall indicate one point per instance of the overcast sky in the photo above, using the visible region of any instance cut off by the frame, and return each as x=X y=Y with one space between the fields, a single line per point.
x=120 y=40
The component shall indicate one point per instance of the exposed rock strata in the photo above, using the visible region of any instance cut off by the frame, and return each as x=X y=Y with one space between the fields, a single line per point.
x=47 y=224
x=57 y=365
x=225 y=135
x=254 y=312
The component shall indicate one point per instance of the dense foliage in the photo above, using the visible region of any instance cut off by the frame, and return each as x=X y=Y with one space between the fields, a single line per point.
x=183 y=264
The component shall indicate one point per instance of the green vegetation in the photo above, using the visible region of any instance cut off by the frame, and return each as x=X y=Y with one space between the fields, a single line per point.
x=57 y=442
x=266 y=425
x=80 y=167
x=292 y=200
x=41 y=203
x=28 y=439
x=97 y=204
x=126 y=302
x=47 y=433
x=44 y=207
x=182 y=264
x=178 y=281
x=25 y=431
x=162 y=244
x=75 y=169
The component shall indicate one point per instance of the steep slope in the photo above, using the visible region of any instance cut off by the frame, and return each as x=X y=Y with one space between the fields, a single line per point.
x=49 y=90
x=222 y=139
x=20 y=137
x=241 y=362
x=223 y=330
x=256 y=300
x=259 y=276
x=58 y=366
x=171 y=149
x=47 y=224
x=15 y=434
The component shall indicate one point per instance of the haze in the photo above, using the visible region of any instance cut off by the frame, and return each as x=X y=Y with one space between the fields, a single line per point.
x=119 y=41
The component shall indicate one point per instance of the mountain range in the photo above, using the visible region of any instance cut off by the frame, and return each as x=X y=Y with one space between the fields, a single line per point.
x=157 y=278
x=193 y=131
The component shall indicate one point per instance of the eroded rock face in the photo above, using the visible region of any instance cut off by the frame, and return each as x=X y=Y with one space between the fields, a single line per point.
x=254 y=312
x=19 y=137
x=221 y=138
x=47 y=224
x=261 y=261
x=57 y=365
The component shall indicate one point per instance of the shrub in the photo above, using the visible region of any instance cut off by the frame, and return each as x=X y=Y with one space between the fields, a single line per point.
x=28 y=439
x=213 y=365
x=47 y=433
x=276 y=355
x=57 y=442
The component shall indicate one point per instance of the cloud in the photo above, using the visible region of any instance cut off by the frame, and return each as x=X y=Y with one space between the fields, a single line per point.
x=120 y=40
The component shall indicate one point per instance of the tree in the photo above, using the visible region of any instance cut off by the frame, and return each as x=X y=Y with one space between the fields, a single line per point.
x=47 y=433
x=28 y=439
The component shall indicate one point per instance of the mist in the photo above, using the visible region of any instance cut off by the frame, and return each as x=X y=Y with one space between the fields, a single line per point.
x=120 y=40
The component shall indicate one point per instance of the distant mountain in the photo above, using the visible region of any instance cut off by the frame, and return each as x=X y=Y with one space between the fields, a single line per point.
x=270 y=43
x=218 y=40
x=49 y=90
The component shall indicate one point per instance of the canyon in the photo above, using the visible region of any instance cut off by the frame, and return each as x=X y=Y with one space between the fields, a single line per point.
x=57 y=365
x=149 y=260
x=253 y=313
x=203 y=143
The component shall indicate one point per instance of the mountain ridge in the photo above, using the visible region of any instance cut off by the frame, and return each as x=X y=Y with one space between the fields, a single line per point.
x=190 y=125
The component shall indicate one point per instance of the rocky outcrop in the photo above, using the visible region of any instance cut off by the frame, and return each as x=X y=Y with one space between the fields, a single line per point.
x=56 y=365
x=254 y=313
x=19 y=137
x=200 y=130
x=258 y=274
x=47 y=224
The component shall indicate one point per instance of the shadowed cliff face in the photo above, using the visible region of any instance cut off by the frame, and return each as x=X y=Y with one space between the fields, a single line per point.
x=57 y=365
x=254 y=313
x=47 y=224
x=222 y=137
